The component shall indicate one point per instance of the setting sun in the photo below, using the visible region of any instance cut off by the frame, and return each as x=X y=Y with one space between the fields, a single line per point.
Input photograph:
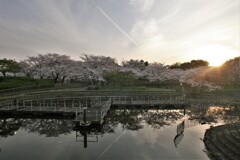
x=216 y=55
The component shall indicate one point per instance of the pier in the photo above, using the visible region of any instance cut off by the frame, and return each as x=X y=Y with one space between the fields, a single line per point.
x=95 y=107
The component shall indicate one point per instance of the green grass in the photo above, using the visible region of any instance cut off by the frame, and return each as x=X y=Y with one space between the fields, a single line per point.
x=15 y=82
x=133 y=88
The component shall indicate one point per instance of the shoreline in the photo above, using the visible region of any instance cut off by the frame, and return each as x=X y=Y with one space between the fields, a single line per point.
x=223 y=142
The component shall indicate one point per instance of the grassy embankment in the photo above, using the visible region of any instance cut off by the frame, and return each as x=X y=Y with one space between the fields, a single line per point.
x=16 y=82
x=130 y=88
x=223 y=142
x=13 y=83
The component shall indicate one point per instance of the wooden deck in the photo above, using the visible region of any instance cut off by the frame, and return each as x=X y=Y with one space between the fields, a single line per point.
x=95 y=114
x=96 y=106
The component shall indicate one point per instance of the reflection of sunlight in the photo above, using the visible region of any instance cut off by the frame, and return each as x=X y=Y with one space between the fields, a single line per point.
x=217 y=110
x=216 y=55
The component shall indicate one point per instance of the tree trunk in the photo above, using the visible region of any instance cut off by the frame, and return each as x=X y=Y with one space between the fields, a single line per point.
x=4 y=73
x=28 y=75
x=56 y=78
x=63 y=79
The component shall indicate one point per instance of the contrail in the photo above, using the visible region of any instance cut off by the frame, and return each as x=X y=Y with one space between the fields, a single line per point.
x=115 y=24
x=110 y=145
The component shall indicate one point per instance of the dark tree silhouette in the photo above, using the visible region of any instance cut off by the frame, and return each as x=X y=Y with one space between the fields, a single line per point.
x=9 y=65
x=189 y=65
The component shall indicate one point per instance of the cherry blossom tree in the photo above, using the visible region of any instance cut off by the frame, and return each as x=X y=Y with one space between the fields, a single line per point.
x=37 y=65
x=95 y=66
x=59 y=66
x=27 y=69
x=54 y=66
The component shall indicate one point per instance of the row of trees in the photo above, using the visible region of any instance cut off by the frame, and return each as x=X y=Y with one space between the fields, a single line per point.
x=106 y=69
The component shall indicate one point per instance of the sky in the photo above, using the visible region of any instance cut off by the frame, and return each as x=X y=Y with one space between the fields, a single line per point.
x=165 y=31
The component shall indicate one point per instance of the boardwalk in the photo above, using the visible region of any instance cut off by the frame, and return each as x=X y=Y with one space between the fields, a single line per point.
x=95 y=114
x=97 y=106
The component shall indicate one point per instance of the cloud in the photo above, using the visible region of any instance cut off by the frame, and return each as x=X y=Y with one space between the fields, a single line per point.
x=148 y=35
x=142 y=5
x=163 y=30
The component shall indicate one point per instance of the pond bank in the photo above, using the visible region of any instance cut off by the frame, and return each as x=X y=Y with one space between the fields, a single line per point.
x=223 y=142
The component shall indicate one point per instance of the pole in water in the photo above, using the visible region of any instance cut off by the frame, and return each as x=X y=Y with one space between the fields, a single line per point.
x=76 y=113
x=84 y=115
x=85 y=137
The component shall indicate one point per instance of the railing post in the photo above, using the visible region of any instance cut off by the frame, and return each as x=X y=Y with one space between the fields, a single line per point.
x=17 y=104
x=76 y=113
x=64 y=103
x=85 y=115
x=96 y=115
x=80 y=107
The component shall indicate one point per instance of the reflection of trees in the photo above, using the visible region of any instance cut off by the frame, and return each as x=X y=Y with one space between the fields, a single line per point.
x=199 y=111
x=159 y=118
x=8 y=127
x=214 y=113
x=48 y=127
x=232 y=114
x=129 y=119
x=133 y=119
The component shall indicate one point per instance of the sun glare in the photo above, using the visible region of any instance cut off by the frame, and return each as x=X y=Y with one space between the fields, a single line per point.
x=216 y=55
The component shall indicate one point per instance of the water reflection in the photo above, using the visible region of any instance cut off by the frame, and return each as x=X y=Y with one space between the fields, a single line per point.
x=8 y=127
x=132 y=119
x=180 y=129
x=214 y=114
x=47 y=127
x=88 y=133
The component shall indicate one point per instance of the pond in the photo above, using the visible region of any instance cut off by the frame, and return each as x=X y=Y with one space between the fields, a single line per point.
x=127 y=133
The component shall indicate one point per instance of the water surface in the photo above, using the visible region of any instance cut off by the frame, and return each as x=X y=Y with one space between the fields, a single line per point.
x=125 y=134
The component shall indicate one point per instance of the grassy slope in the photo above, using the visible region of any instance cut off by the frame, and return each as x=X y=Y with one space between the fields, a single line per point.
x=133 y=88
x=14 y=82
